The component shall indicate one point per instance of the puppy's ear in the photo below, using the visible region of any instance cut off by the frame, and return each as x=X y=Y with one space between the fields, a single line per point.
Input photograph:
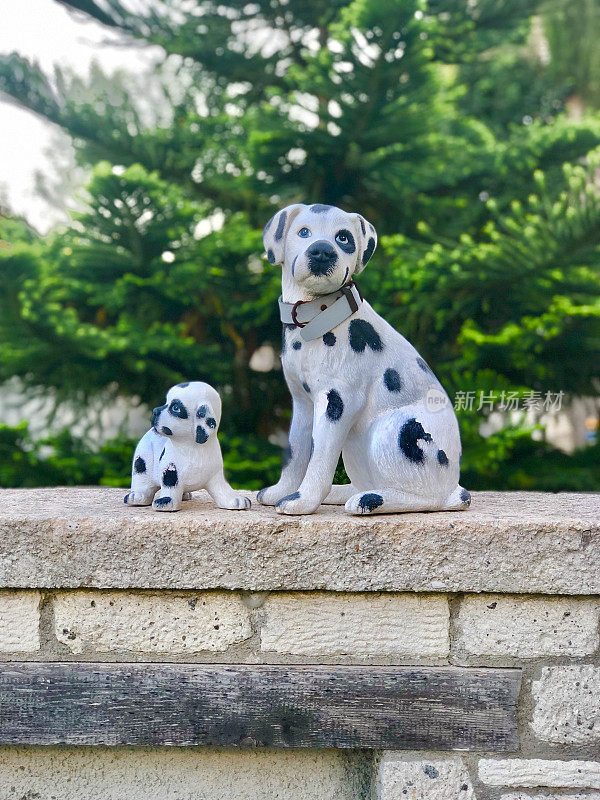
x=206 y=422
x=276 y=231
x=367 y=242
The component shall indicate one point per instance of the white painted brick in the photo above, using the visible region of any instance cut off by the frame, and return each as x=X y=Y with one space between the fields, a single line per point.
x=149 y=623
x=540 y=772
x=578 y=796
x=527 y=627
x=19 y=622
x=567 y=704
x=422 y=776
x=321 y=623
x=204 y=773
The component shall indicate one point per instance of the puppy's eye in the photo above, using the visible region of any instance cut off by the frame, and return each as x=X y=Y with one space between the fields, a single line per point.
x=342 y=238
x=304 y=233
x=177 y=409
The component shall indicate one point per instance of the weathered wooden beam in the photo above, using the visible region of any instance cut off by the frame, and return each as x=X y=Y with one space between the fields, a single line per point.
x=276 y=706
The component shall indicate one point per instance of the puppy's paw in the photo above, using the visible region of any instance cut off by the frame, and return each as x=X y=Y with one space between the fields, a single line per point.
x=138 y=499
x=296 y=504
x=236 y=502
x=165 y=504
x=271 y=495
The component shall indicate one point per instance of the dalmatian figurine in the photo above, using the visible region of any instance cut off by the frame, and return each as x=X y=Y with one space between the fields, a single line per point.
x=358 y=387
x=181 y=453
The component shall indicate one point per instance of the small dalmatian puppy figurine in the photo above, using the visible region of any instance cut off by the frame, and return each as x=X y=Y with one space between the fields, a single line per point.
x=181 y=453
x=358 y=387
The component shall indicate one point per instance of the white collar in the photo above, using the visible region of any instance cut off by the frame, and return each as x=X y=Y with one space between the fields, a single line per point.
x=319 y=316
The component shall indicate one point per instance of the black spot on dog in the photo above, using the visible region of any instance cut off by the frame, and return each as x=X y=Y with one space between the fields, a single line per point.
x=410 y=434
x=270 y=256
x=369 y=250
x=348 y=246
x=287 y=456
x=126 y=498
x=167 y=431
x=162 y=454
x=312 y=448
x=320 y=208
x=201 y=435
x=442 y=458
x=370 y=501
x=292 y=496
x=362 y=225
x=335 y=405
x=424 y=365
x=287 y=326
x=170 y=476
x=329 y=339
x=202 y=412
x=392 y=380
x=466 y=497
x=268 y=225
x=163 y=501
x=139 y=464
x=297 y=345
x=362 y=334
x=183 y=385
x=211 y=422
x=280 y=225
x=294 y=265
x=306 y=387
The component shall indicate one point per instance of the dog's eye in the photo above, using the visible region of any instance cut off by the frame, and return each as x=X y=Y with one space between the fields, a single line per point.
x=177 y=409
x=304 y=233
x=342 y=238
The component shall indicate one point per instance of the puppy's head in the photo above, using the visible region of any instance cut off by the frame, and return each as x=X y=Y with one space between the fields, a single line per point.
x=191 y=411
x=320 y=247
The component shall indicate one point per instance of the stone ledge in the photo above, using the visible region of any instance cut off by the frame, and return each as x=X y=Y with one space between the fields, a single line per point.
x=520 y=542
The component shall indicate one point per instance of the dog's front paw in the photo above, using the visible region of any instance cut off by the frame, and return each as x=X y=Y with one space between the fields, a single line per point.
x=236 y=502
x=271 y=495
x=296 y=504
x=138 y=499
x=165 y=504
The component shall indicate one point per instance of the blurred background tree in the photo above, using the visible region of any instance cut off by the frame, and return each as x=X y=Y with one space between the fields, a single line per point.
x=449 y=125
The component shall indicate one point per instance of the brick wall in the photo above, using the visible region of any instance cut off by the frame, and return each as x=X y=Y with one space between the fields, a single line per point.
x=554 y=639
x=515 y=584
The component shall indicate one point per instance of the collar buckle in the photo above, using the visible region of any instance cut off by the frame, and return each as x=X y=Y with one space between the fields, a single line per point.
x=294 y=312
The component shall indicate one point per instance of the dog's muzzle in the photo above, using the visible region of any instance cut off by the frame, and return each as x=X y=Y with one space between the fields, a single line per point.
x=156 y=414
x=321 y=258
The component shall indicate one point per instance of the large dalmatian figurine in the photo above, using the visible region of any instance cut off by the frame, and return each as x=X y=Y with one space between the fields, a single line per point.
x=181 y=453
x=358 y=387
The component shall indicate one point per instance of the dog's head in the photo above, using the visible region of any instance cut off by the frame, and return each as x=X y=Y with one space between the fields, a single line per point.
x=320 y=247
x=192 y=411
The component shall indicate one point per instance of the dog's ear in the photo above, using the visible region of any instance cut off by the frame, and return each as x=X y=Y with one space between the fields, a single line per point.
x=367 y=241
x=206 y=422
x=276 y=230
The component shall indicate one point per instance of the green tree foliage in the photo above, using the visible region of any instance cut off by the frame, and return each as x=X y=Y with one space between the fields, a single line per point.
x=411 y=111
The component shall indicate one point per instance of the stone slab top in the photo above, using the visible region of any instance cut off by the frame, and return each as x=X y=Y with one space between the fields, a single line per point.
x=523 y=542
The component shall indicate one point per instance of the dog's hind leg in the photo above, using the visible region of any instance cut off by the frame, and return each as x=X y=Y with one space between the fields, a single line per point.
x=390 y=501
x=340 y=493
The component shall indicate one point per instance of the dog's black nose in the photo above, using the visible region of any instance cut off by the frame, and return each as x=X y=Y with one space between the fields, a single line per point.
x=156 y=414
x=321 y=257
